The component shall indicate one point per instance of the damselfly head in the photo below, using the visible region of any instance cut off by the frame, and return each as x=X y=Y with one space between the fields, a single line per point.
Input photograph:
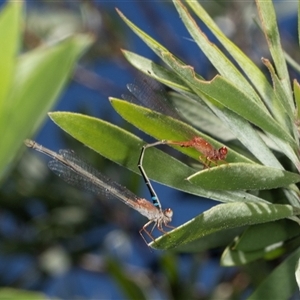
x=222 y=153
x=168 y=212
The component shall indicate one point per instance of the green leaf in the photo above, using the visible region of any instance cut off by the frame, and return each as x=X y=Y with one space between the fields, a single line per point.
x=39 y=78
x=215 y=55
x=232 y=257
x=16 y=294
x=281 y=283
x=214 y=240
x=223 y=217
x=287 y=117
x=10 y=28
x=157 y=72
x=124 y=148
x=267 y=17
x=253 y=73
x=297 y=100
x=241 y=176
x=153 y=44
x=166 y=128
x=260 y=236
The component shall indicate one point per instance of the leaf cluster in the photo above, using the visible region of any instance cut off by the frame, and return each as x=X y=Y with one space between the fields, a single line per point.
x=261 y=116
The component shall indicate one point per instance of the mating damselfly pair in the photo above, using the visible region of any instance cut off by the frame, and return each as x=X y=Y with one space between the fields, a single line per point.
x=77 y=172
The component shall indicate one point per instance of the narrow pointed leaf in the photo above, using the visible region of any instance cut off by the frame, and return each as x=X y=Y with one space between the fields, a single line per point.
x=211 y=241
x=241 y=176
x=253 y=73
x=39 y=78
x=8 y=293
x=267 y=17
x=157 y=72
x=287 y=115
x=153 y=44
x=297 y=99
x=263 y=235
x=232 y=257
x=224 y=66
x=166 y=128
x=10 y=28
x=221 y=217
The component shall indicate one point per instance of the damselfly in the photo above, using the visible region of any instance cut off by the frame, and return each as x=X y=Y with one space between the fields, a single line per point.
x=148 y=93
x=75 y=171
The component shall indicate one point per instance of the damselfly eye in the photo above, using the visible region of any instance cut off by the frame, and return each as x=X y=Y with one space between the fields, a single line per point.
x=168 y=212
x=223 y=152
